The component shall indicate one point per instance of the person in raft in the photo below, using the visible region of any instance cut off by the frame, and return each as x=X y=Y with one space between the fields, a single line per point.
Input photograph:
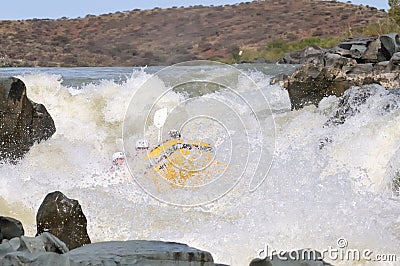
x=174 y=134
x=118 y=159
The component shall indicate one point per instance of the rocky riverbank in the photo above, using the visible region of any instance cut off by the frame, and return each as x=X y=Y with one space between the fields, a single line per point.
x=348 y=71
x=355 y=62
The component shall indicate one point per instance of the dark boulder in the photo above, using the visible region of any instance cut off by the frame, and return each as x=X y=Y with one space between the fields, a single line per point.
x=311 y=83
x=390 y=44
x=22 y=122
x=64 y=218
x=10 y=228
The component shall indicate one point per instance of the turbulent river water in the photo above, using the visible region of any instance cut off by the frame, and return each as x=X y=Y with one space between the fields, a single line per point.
x=282 y=179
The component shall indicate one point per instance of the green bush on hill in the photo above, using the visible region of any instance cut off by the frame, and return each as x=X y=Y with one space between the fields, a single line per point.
x=394 y=11
x=277 y=48
x=380 y=27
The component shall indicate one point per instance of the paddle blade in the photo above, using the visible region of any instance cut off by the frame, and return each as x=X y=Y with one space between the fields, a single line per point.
x=160 y=116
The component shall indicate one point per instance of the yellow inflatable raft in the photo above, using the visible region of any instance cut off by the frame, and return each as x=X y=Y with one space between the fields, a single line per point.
x=184 y=163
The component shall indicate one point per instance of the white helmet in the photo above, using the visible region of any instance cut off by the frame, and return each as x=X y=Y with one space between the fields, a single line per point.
x=142 y=144
x=175 y=134
x=118 y=155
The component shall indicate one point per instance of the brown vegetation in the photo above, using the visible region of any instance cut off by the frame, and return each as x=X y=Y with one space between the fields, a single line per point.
x=167 y=36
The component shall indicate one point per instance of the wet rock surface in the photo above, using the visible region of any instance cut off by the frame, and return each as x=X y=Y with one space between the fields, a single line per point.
x=64 y=218
x=47 y=249
x=22 y=122
x=10 y=228
x=140 y=252
x=355 y=62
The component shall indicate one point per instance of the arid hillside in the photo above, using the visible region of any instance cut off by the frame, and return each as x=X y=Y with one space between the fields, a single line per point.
x=167 y=36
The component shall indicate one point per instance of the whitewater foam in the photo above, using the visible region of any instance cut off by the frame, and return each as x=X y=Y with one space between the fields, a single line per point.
x=311 y=197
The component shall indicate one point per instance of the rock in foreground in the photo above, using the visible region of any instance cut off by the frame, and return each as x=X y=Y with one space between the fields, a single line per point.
x=10 y=228
x=140 y=252
x=61 y=227
x=46 y=249
x=22 y=122
x=64 y=218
